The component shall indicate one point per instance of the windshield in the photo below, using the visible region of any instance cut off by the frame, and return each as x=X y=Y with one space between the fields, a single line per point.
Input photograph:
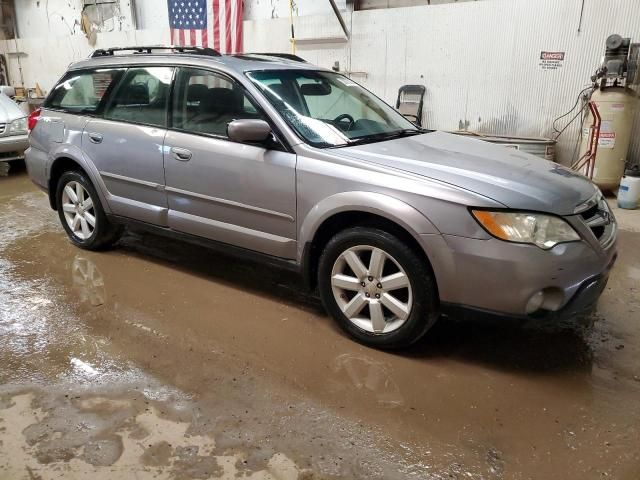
x=330 y=110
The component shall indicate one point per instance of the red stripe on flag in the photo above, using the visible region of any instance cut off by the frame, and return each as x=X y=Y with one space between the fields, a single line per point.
x=216 y=24
x=228 y=23
x=192 y=33
x=181 y=37
x=204 y=38
x=171 y=40
x=239 y=16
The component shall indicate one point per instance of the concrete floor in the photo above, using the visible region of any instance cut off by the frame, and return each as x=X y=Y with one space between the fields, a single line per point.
x=170 y=361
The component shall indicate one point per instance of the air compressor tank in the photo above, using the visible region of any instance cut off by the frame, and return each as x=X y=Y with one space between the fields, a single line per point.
x=616 y=106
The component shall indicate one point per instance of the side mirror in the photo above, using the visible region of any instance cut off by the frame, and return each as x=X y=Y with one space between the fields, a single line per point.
x=248 y=130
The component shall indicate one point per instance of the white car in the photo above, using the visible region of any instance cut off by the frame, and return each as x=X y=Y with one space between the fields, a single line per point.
x=13 y=132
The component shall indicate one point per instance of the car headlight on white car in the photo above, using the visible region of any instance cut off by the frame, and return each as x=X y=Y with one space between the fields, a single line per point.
x=545 y=231
x=18 y=126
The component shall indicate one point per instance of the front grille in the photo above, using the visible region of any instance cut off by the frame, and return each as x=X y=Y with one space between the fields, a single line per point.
x=3 y=127
x=600 y=220
x=593 y=211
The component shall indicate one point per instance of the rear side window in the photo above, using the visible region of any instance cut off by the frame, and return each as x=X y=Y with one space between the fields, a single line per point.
x=141 y=96
x=82 y=91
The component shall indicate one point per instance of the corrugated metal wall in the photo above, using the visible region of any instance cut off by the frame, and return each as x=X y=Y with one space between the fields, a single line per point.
x=480 y=61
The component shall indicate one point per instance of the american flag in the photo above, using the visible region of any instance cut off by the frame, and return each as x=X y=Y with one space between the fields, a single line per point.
x=207 y=23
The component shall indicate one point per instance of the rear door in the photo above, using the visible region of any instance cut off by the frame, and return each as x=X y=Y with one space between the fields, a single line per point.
x=237 y=193
x=126 y=144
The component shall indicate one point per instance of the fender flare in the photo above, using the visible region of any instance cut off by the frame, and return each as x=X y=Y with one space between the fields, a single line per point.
x=397 y=211
x=74 y=153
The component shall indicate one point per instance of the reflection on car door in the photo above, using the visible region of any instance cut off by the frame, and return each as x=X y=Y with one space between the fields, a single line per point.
x=126 y=144
x=230 y=192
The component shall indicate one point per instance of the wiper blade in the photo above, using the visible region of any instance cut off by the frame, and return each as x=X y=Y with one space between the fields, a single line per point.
x=385 y=136
x=405 y=132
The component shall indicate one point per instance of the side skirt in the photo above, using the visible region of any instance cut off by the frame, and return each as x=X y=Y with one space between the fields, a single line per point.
x=223 y=248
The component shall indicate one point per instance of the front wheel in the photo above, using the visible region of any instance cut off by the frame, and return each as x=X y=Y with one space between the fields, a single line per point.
x=81 y=213
x=378 y=289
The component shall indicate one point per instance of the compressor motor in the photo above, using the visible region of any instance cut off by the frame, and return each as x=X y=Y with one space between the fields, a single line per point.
x=619 y=66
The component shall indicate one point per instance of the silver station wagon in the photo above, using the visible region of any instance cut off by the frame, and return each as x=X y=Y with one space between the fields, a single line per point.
x=298 y=166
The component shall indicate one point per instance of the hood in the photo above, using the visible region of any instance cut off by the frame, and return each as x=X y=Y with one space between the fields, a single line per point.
x=9 y=110
x=515 y=179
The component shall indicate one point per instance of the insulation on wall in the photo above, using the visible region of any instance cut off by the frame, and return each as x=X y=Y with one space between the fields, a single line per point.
x=38 y=18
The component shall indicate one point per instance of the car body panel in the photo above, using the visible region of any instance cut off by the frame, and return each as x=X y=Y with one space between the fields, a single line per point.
x=56 y=138
x=484 y=270
x=14 y=143
x=224 y=183
x=516 y=179
x=322 y=174
x=130 y=162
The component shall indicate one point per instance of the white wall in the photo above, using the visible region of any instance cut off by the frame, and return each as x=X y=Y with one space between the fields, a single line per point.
x=261 y=9
x=37 y=18
x=151 y=14
x=478 y=60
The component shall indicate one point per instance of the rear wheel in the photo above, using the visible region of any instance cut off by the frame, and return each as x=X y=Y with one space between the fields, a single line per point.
x=81 y=213
x=377 y=288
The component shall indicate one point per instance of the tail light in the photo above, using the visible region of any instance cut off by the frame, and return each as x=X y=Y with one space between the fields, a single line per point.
x=32 y=120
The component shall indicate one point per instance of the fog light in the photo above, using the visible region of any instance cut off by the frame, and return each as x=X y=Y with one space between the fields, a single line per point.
x=535 y=302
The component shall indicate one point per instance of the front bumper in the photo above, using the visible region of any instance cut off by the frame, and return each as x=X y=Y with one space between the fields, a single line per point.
x=582 y=302
x=586 y=297
x=497 y=277
x=15 y=144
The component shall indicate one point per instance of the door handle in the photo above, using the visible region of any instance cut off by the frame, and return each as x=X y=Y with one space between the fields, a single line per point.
x=181 y=154
x=95 y=137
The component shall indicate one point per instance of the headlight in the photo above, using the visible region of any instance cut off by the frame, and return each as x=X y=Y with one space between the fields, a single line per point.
x=545 y=231
x=18 y=126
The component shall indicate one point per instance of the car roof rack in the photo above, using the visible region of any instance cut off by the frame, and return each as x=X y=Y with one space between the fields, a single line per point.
x=210 y=52
x=286 y=56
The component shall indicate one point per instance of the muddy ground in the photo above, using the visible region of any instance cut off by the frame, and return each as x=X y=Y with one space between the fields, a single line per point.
x=164 y=360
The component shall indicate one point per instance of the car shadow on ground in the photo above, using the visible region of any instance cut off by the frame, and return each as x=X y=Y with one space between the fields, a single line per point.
x=536 y=346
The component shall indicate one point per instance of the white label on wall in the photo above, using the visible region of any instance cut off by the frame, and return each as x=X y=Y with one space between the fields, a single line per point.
x=551 y=60
x=607 y=140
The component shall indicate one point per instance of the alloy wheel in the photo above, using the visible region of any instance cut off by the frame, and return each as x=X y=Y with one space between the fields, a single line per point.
x=372 y=289
x=78 y=209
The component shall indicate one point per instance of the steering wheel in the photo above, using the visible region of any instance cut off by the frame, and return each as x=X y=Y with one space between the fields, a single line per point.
x=345 y=116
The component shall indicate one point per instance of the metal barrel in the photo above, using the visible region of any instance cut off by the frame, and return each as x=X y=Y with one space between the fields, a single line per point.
x=540 y=147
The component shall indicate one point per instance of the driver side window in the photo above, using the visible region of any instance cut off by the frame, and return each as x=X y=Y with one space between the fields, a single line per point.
x=206 y=102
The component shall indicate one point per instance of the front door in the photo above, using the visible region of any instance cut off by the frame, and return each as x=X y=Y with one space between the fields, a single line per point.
x=235 y=193
x=126 y=144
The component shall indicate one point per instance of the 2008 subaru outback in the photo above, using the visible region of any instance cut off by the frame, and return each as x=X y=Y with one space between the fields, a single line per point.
x=277 y=157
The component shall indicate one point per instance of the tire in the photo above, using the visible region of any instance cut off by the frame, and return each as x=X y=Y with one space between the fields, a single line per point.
x=103 y=233
x=415 y=308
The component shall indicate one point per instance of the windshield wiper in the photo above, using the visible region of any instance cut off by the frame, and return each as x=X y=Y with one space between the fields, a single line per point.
x=375 y=137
